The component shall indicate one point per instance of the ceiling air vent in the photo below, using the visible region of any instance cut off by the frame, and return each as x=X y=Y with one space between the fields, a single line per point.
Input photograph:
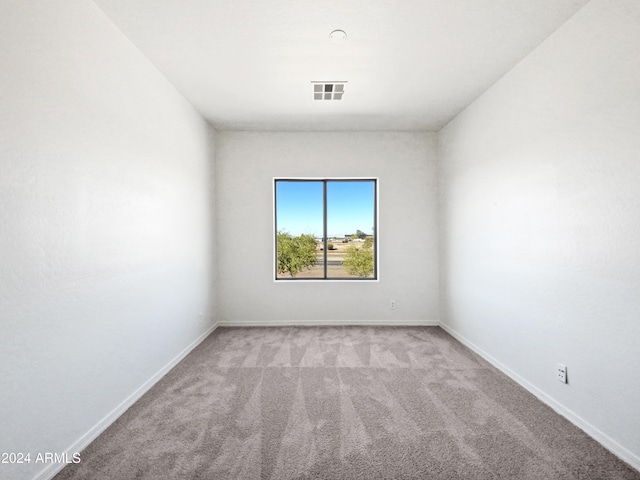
x=328 y=90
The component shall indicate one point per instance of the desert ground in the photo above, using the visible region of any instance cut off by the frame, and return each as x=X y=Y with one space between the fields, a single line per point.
x=334 y=264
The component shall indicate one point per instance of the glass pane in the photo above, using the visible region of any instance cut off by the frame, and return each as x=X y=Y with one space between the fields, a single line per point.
x=350 y=229
x=299 y=229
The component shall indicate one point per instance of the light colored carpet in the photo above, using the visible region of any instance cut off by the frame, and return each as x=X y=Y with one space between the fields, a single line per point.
x=341 y=403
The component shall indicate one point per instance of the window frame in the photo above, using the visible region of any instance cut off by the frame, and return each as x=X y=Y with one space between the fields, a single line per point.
x=376 y=228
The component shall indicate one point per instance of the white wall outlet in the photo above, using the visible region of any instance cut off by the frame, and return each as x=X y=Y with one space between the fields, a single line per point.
x=200 y=317
x=392 y=304
x=561 y=372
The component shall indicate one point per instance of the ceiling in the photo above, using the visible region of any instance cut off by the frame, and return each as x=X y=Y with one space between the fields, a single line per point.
x=408 y=64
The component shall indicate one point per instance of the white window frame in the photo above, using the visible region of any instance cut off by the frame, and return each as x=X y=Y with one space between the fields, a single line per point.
x=376 y=232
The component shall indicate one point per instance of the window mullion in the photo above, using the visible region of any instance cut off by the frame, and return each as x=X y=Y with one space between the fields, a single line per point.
x=324 y=226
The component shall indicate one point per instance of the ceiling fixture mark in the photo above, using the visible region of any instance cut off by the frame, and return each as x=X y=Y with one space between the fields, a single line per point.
x=338 y=35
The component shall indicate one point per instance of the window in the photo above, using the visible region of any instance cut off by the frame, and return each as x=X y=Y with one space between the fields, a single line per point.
x=325 y=229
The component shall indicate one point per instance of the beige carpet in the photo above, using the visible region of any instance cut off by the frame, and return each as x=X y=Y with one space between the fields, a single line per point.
x=341 y=403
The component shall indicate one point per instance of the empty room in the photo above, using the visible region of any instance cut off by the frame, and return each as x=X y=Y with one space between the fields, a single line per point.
x=339 y=240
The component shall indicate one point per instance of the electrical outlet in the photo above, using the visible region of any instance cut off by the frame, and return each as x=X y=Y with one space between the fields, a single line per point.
x=392 y=304
x=200 y=318
x=561 y=372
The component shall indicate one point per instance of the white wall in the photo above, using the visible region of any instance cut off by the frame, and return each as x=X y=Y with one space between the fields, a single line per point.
x=405 y=163
x=540 y=221
x=105 y=229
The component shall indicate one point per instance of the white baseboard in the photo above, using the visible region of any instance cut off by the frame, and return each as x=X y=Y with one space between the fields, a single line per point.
x=602 y=438
x=53 y=469
x=330 y=323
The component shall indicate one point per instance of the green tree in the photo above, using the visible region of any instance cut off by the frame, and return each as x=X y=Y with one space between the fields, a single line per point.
x=295 y=254
x=359 y=234
x=359 y=260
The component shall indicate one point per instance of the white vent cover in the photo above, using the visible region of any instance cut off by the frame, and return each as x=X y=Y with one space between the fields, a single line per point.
x=328 y=90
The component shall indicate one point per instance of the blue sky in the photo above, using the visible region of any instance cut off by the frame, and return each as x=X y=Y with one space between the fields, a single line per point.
x=349 y=207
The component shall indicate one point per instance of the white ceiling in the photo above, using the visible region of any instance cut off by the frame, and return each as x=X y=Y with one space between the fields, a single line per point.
x=409 y=64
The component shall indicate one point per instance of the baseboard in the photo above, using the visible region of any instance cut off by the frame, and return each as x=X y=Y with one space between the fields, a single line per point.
x=331 y=323
x=614 y=447
x=53 y=469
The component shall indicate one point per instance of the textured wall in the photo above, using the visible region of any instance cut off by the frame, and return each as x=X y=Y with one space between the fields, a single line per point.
x=105 y=230
x=540 y=192
x=405 y=165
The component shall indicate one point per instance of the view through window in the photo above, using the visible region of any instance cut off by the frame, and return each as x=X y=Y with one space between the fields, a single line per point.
x=325 y=229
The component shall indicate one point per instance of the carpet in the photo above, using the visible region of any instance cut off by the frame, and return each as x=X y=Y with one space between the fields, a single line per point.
x=341 y=403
